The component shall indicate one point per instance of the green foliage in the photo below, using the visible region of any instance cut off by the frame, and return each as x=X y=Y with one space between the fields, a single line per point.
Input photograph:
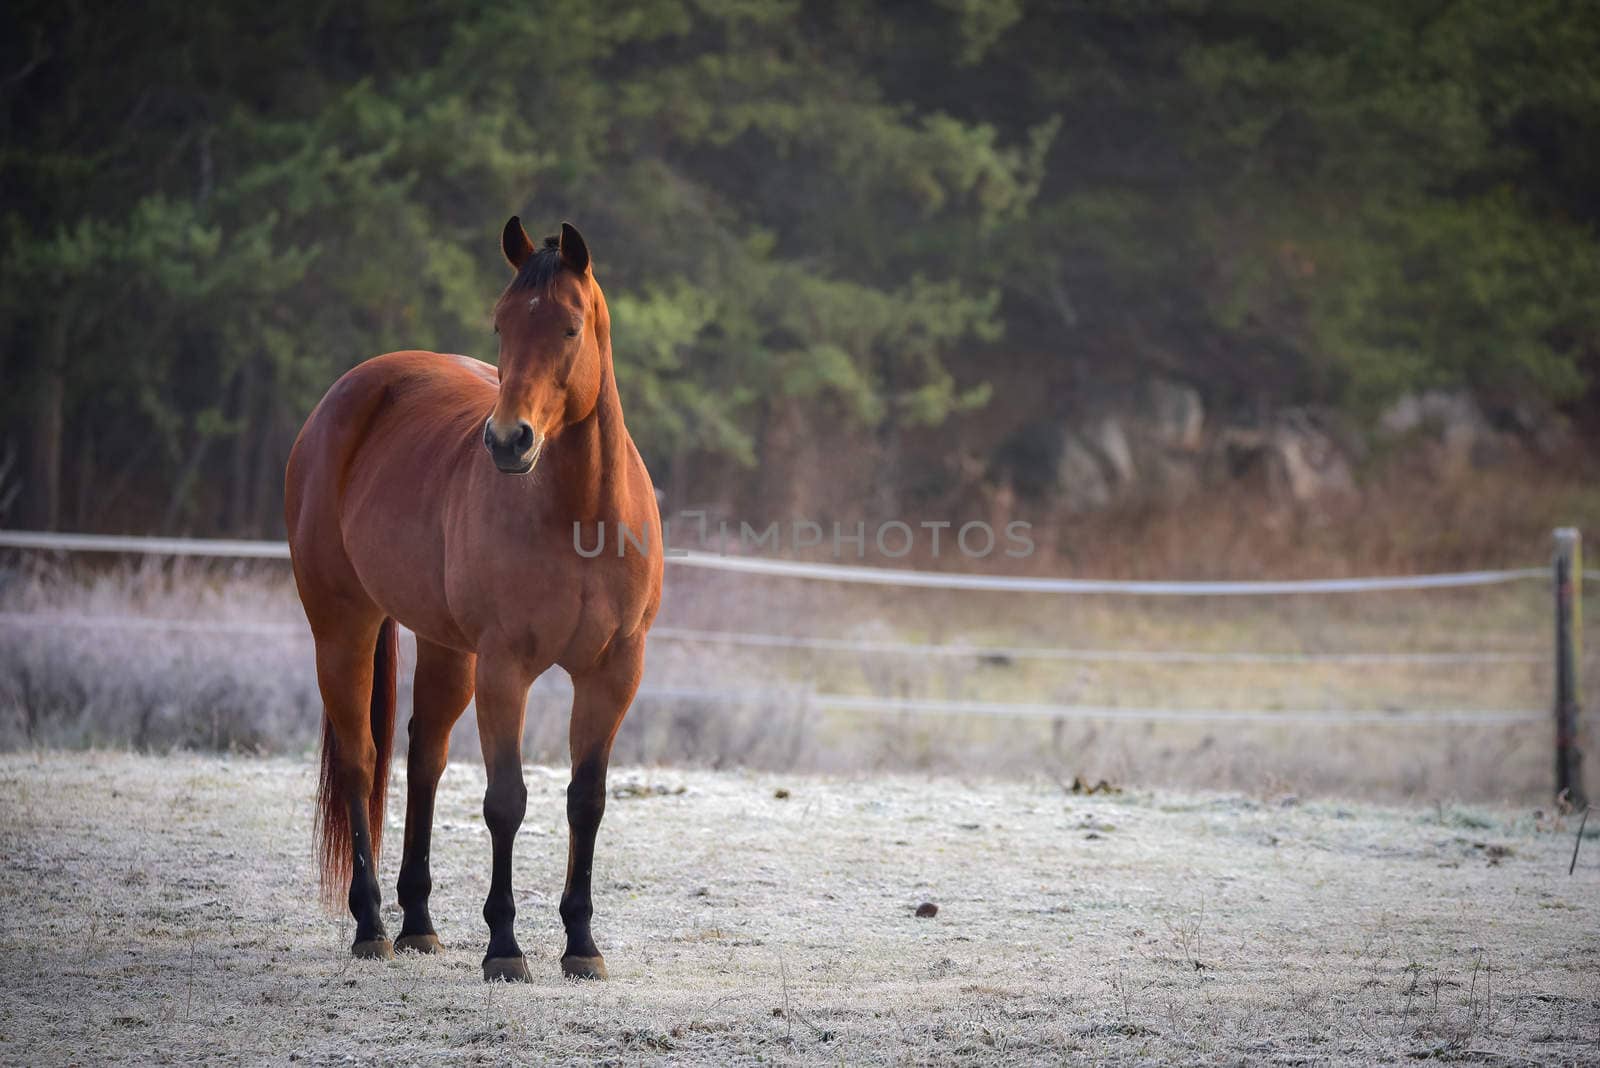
x=1397 y=224
x=857 y=208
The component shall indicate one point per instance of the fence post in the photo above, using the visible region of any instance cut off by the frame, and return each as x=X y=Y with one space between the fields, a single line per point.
x=1569 y=635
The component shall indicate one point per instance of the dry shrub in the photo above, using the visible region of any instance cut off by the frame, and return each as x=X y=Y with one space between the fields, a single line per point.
x=1406 y=518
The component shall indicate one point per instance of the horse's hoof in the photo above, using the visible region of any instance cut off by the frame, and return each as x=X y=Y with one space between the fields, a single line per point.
x=373 y=949
x=584 y=967
x=422 y=943
x=510 y=969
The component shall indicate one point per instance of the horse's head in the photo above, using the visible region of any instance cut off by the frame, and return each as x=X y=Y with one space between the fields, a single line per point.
x=552 y=324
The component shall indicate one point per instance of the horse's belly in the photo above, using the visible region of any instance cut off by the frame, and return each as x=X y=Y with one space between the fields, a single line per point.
x=396 y=508
x=407 y=581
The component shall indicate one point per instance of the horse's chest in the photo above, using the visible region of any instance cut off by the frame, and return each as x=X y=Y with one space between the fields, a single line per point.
x=611 y=603
x=559 y=608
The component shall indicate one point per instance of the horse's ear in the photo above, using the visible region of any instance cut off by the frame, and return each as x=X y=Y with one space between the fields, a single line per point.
x=574 y=250
x=515 y=244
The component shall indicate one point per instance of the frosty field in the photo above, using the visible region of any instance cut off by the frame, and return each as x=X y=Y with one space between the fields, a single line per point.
x=163 y=909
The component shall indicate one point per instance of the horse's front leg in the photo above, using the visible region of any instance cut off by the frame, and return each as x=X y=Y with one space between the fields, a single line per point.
x=600 y=700
x=443 y=688
x=502 y=693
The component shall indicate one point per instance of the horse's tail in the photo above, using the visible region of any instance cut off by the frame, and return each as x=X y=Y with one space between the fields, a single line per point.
x=333 y=818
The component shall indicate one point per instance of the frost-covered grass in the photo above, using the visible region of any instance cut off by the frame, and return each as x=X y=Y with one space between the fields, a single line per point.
x=163 y=909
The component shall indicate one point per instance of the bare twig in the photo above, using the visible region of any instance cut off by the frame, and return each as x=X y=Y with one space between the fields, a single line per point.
x=791 y=1014
x=188 y=990
x=788 y=1015
x=1578 y=841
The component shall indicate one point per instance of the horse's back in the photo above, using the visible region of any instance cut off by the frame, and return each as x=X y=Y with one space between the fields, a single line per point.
x=439 y=391
x=385 y=437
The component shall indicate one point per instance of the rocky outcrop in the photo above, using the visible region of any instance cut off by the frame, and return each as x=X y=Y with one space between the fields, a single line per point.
x=1299 y=460
x=1147 y=447
x=1449 y=423
x=1458 y=433
x=1082 y=479
x=1173 y=414
x=1142 y=448
x=1157 y=446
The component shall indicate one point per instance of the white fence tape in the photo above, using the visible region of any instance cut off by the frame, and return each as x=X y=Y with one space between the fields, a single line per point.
x=926 y=706
x=192 y=626
x=223 y=548
x=876 y=576
x=839 y=645
x=883 y=576
x=1126 y=656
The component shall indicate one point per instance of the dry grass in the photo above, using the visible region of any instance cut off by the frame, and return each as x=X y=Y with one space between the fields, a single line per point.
x=156 y=691
x=1411 y=515
x=163 y=910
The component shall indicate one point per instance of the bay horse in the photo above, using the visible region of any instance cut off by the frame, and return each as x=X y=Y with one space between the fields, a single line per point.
x=442 y=493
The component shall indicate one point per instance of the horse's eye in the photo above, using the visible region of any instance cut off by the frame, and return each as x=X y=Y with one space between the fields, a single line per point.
x=572 y=331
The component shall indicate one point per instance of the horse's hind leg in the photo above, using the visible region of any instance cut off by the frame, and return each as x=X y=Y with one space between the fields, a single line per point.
x=352 y=777
x=443 y=688
x=600 y=700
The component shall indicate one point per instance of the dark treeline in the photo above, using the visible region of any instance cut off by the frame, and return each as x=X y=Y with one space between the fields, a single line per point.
x=845 y=216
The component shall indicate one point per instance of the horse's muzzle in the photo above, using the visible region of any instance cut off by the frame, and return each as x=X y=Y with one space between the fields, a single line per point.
x=515 y=451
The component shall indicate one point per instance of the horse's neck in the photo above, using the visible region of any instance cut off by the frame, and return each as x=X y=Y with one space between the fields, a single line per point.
x=592 y=464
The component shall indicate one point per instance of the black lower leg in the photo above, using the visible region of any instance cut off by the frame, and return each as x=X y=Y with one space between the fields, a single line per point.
x=586 y=805
x=365 y=898
x=416 y=877
x=413 y=889
x=504 y=805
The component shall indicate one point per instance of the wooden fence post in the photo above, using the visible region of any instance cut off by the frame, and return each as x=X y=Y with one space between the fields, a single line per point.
x=1569 y=657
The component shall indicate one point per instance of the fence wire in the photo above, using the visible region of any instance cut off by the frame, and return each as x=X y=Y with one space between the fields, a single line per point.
x=867 y=704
